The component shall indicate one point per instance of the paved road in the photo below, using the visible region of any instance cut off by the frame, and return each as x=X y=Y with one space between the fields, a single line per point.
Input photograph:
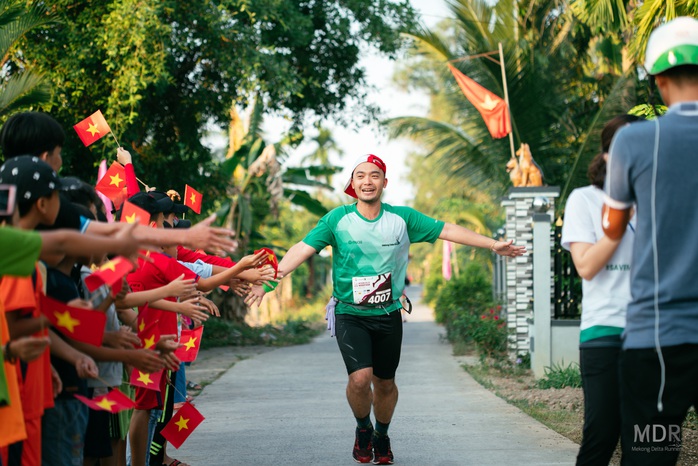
x=287 y=407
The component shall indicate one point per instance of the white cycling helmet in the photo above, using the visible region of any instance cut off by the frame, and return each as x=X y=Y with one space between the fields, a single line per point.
x=672 y=44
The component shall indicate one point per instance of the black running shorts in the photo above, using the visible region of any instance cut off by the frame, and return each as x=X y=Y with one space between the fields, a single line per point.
x=373 y=341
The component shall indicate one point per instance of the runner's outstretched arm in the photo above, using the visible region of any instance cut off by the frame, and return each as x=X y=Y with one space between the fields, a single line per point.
x=462 y=235
x=299 y=253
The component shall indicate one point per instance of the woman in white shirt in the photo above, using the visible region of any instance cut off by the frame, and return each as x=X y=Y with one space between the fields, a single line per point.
x=605 y=269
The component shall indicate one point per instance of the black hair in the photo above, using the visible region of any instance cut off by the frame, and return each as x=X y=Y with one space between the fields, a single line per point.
x=597 y=168
x=682 y=74
x=30 y=133
x=24 y=206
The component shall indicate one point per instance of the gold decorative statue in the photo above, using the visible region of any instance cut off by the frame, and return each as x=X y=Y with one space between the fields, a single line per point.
x=523 y=170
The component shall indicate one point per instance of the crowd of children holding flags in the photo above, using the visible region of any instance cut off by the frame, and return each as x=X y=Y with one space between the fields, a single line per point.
x=102 y=302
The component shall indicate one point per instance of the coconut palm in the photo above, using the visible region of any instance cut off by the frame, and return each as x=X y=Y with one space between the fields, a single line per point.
x=20 y=87
x=561 y=88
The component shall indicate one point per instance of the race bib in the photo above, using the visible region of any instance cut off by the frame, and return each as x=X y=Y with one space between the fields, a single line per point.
x=372 y=291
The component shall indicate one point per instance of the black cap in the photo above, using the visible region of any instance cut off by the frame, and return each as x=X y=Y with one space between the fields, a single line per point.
x=176 y=208
x=183 y=224
x=149 y=203
x=33 y=177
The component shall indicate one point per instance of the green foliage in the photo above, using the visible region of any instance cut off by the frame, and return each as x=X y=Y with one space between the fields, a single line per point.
x=164 y=73
x=220 y=332
x=560 y=376
x=20 y=86
x=464 y=305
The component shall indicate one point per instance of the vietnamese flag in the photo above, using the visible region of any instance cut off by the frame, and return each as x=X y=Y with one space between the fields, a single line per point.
x=110 y=274
x=190 y=341
x=182 y=424
x=84 y=325
x=131 y=213
x=149 y=381
x=270 y=259
x=113 y=184
x=192 y=199
x=92 y=128
x=149 y=335
x=492 y=108
x=112 y=402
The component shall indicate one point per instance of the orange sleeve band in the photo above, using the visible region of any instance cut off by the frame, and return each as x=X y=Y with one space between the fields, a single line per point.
x=614 y=222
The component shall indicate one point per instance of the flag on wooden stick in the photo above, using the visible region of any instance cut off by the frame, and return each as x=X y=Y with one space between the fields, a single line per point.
x=492 y=108
x=192 y=199
x=92 y=128
x=182 y=424
x=113 y=184
x=84 y=325
x=190 y=341
x=150 y=381
x=109 y=274
x=112 y=402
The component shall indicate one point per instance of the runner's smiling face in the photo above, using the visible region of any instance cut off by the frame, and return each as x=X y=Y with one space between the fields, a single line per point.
x=368 y=181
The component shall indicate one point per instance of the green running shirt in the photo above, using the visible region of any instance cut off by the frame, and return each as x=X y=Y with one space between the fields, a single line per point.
x=369 y=262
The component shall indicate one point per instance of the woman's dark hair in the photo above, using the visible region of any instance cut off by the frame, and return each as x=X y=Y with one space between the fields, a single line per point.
x=597 y=168
x=30 y=133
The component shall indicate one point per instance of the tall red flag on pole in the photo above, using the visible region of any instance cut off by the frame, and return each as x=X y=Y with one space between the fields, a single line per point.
x=192 y=199
x=492 y=108
x=92 y=128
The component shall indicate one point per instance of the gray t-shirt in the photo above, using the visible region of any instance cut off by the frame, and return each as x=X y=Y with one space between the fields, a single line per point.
x=630 y=180
x=109 y=371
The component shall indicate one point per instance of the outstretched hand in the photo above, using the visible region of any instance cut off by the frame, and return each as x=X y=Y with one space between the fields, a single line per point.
x=507 y=248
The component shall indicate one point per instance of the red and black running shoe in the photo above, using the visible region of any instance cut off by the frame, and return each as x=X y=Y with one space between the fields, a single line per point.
x=382 y=454
x=363 y=449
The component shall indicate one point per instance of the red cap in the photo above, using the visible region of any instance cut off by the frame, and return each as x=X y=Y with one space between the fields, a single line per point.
x=348 y=188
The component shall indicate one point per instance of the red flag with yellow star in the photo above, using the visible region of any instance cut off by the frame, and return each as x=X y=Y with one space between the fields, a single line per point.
x=192 y=199
x=149 y=334
x=492 y=108
x=92 y=128
x=84 y=325
x=112 y=402
x=149 y=381
x=182 y=424
x=270 y=259
x=110 y=274
x=189 y=342
x=113 y=184
x=131 y=213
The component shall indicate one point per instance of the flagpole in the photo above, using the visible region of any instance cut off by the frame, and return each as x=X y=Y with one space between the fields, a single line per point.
x=506 y=99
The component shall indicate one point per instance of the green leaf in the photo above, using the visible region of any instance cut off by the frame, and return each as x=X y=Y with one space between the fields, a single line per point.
x=303 y=199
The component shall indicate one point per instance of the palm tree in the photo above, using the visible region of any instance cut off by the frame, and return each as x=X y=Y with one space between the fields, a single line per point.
x=21 y=87
x=326 y=144
x=561 y=88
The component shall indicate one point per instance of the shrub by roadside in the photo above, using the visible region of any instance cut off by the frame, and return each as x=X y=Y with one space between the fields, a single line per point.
x=297 y=326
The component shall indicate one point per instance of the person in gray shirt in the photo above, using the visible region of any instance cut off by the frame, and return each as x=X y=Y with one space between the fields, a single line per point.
x=654 y=165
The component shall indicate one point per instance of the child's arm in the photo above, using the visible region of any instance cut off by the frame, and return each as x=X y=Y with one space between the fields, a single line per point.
x=247 y=262
x=178 y=287
x=20 y=327
x=190 y=308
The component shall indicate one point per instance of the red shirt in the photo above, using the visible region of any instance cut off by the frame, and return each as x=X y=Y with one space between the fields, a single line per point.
x=150 y=275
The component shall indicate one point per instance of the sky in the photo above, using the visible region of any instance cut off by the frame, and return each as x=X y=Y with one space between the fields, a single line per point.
x=369 y=139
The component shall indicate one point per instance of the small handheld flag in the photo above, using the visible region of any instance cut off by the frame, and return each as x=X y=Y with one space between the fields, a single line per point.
x=190 y=341
x=109 y=274
x=79 y=324
x=270 y=259
x=150 y=334
x=182 y=424
x=113 y=184
x=92 y=128
x=192 y=199
x=112 y=402
x=150 y=381
x=131 y=213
